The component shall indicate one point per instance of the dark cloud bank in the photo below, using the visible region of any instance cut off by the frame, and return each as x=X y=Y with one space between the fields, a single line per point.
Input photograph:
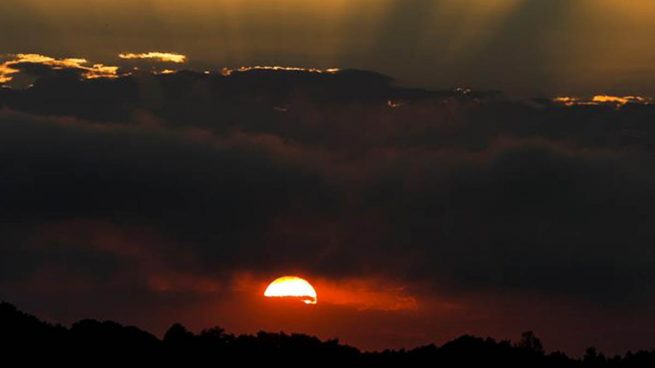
x=109 y=184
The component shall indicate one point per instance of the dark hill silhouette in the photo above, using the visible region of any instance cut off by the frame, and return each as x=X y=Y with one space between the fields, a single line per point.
x=94 y=343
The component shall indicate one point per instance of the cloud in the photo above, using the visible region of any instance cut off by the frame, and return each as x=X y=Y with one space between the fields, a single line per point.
x=469 y=205
x=172 y=186
x=167 y=57
x=600 y=100
x=277 y=68
x=20 y=62
x=40 y=65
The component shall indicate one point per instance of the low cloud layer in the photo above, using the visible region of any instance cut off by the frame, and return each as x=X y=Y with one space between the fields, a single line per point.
x=177 y=184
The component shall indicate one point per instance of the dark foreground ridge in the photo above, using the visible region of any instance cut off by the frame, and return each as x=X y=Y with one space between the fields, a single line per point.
x=93 y=343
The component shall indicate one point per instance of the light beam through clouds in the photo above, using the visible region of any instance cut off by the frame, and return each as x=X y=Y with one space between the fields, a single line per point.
x=556 y=47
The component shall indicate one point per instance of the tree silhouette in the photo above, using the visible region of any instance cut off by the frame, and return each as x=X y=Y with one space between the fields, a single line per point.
x=94 y=343
x=530 y=342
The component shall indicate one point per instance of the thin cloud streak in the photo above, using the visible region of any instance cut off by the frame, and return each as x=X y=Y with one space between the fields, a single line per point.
x=168 y=57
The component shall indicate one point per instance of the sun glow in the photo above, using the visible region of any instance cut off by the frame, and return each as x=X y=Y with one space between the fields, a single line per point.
x=292 y=287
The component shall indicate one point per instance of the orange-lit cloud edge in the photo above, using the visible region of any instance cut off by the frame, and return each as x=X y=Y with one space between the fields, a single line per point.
x=228 y=71
x=168 y=57
x=601 y=100
x=10 y=67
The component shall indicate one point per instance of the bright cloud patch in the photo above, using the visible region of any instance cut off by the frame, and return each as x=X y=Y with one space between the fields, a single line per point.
x=228 y=71
x=12 y=66
x=617 y=101
x=166 y=57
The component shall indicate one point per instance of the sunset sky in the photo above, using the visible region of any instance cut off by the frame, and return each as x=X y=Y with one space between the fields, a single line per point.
x=433 y=168
x=518 y=46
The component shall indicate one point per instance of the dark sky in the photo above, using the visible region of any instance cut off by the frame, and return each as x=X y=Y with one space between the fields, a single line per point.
x=523 y=47
x=159 y=194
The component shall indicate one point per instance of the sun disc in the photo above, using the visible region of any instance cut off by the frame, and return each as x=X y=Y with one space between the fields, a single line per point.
x=292 y=287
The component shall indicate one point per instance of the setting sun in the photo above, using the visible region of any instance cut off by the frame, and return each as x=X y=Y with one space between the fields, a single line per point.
x=180 y=179
x=292 y=287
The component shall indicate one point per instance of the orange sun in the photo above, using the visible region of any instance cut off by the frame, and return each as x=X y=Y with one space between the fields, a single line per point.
x=292 y=287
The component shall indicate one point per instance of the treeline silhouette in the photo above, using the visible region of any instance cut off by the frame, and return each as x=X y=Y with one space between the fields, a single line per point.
x=93 y=343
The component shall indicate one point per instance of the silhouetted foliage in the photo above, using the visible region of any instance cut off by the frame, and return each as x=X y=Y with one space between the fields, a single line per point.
x=94 y=343
x=531 y=343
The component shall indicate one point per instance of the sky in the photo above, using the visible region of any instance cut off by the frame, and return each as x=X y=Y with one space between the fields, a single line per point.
x=162 y=161
x=524 y=47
